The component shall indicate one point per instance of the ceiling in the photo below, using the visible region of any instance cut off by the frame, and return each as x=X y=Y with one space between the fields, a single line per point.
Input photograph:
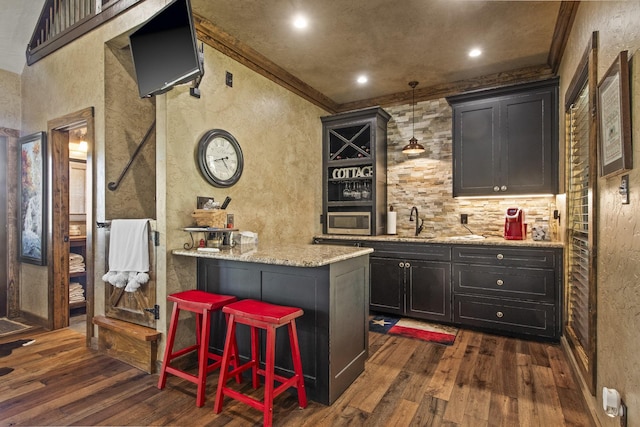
x=391 y=42
x=17 y=21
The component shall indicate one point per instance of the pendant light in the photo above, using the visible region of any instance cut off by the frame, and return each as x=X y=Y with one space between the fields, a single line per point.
x=413 y=147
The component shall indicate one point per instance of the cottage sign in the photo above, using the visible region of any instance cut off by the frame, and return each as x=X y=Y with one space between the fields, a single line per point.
x=352 y=172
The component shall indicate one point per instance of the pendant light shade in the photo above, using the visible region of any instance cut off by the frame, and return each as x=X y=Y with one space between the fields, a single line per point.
x=413 y=147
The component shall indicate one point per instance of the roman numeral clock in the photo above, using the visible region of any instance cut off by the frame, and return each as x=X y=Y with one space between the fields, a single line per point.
x=219 y=158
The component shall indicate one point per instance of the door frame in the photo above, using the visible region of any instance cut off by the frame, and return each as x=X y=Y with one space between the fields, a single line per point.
x=58 y=130
x=9 y=280
x=8 y=230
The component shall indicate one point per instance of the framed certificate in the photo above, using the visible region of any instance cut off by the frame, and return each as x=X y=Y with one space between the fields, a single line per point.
x=614 y=119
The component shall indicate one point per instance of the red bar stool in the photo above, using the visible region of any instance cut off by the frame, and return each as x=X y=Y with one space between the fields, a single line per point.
x=203 y=304
x=258 y=314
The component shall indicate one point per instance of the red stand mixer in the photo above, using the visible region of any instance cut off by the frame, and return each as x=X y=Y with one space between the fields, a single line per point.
x=515 y=227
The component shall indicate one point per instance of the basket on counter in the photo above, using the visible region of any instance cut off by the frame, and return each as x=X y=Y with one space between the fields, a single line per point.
x=214 y=218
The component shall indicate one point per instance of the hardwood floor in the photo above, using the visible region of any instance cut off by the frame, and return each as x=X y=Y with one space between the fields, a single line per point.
x=482 y=380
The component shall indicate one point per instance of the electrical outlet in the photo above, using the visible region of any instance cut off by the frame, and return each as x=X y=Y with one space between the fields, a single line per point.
x=623 y=417
x=229 y=79
x=464 y=219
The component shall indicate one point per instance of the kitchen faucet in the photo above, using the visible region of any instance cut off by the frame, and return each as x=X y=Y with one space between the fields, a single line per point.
x=419 y=221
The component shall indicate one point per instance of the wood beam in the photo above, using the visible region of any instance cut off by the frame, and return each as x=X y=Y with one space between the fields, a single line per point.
x=507 y=78
x=564 y=23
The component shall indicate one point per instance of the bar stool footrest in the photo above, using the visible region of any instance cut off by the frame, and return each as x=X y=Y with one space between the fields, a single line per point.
x=183 y=351
x=257 y=404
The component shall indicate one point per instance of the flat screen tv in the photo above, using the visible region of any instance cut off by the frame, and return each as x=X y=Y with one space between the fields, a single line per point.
x=165 y=50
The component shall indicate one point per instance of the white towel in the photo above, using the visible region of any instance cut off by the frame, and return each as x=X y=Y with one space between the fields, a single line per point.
x=128 y=254
x=129 y=245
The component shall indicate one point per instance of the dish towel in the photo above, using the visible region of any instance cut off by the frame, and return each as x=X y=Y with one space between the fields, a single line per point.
x=128 y=254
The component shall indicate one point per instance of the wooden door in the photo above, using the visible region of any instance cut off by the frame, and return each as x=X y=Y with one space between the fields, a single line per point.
x=475 y=148
x=527 y=152
x=3 y=225
x=429 y=290
x=386 y=291
x=58 y=129
x=137 y=307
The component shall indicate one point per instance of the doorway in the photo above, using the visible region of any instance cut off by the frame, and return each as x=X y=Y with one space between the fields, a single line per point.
x=71 y=232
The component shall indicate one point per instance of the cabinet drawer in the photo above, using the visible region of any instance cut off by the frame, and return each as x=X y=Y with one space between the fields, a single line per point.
x=415 y=251
x=518 y=317
x=506 y=256
x=509 y=282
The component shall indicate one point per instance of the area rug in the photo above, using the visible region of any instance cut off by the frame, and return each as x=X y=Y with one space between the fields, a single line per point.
x=412 y=328
x=8 y=326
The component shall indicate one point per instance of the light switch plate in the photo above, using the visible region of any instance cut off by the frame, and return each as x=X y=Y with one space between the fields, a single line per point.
x=624 y=189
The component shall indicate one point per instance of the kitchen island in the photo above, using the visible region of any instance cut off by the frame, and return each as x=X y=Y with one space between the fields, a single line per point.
x=331 y=285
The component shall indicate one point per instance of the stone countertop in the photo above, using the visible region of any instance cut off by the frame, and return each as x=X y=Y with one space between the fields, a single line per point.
x=293 y=255
x=451 y=240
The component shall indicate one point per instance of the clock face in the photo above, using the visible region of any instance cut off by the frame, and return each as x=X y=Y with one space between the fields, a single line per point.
x=220 y=158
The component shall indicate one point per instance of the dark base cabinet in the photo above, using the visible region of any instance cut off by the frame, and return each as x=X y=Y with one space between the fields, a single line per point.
x=410 y=279
x=500 y=289
x=412 y=288
x=332 y=333
x=505 y=315
x=512 y=290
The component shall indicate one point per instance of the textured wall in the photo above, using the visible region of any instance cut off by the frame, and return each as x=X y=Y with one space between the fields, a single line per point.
x=10 y=100
x=618 y=242
x=425 y=180
x=64 y=82
x=279 y=193
x=127 y=120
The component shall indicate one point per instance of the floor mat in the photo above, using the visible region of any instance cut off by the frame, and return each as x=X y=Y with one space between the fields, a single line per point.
x=412 y=328
x=9 y=326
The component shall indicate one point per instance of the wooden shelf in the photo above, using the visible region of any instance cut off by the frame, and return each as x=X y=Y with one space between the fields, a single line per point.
x=77 y=245
x=79 y=304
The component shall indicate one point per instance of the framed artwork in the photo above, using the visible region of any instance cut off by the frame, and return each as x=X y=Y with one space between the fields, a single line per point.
x=614 y=119
x=32 y=238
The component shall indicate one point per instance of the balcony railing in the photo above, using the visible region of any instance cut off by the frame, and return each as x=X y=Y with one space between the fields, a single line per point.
x=63 y=21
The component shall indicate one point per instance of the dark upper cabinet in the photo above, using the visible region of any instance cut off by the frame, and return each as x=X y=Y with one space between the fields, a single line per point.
x=505 y=141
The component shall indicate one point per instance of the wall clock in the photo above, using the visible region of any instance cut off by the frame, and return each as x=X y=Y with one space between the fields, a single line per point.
x=219 y=158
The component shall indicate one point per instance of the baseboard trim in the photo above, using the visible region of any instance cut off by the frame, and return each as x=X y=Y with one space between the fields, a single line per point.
x=589 y=400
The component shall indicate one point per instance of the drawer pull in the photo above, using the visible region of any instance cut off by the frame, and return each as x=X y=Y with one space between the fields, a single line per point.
x=500 y=256
x=407 y=264
x=401 y=265
x=499 y=282
x=500 y=314
x=503 y=188
x=496 y=188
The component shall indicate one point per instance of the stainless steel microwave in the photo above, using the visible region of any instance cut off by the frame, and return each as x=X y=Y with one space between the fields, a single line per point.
x=358 y=223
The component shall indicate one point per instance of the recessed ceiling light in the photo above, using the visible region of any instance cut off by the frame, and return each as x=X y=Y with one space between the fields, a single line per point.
x=300 y=22
x=362 y=79
x=474 y=53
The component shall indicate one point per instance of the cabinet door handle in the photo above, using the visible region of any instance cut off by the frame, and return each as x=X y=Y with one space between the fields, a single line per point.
x=500 y=314
x=499 y=282
x=496 y=188
x=401 y=265
x=503 y=188
x=407 y=264
x=500 y=256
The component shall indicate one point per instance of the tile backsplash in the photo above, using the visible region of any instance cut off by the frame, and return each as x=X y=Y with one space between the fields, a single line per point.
x=425 y=180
